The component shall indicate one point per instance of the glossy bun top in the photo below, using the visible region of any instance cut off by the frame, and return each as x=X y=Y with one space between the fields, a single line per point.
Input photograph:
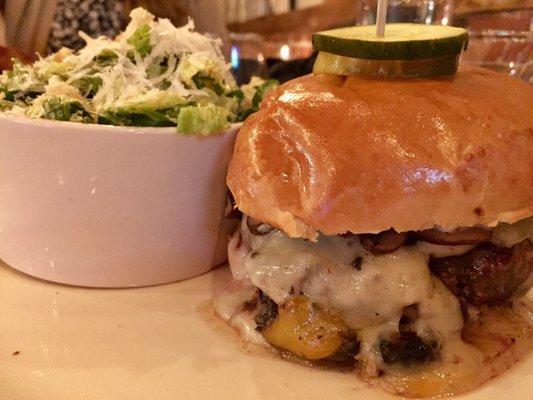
x=332 y=154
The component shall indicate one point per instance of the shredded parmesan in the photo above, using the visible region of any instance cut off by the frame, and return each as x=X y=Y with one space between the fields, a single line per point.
x=128 y=79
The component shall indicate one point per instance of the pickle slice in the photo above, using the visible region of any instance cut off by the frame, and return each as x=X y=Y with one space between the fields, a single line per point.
x=401 y=42
x=327 y=63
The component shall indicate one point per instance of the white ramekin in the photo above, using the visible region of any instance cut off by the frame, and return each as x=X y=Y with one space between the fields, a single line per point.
x=106 y=206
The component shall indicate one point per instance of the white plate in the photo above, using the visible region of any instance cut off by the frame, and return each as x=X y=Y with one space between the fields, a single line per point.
x=158 y=343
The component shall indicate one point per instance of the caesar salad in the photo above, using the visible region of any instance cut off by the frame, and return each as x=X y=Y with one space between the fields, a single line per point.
x=152 y=74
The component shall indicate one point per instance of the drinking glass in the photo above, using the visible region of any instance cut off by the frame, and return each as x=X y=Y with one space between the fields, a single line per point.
x=247 y=56
x=417 y=11
x=500 y=40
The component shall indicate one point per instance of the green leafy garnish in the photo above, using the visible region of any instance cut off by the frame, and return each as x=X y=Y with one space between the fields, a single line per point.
x=61 y=109
x=237 y=93
x=261 y=91
x=106 y=58
x=123 y=117
x=141 y=115
x=88 y=85
x=257 y=98
x=203 y=81
x=203 y=120
x=140 y=40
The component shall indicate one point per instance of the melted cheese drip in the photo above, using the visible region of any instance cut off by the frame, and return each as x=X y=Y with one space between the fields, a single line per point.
x=369 y=299
x=229 y=306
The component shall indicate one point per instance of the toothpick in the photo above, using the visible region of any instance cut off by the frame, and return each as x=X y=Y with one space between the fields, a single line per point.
x=381 y=17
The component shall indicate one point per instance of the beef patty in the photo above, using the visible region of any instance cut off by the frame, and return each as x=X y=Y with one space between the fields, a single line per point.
x=487 y=274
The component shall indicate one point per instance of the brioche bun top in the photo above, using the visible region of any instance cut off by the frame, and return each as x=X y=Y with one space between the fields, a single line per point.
x=333 y=154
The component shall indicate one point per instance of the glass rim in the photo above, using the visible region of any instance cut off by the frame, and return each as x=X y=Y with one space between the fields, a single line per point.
x=500 y=33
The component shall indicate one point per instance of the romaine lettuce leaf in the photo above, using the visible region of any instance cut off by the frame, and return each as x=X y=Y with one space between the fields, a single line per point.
x=156 y=99
x=203 y=120
x=106 y=58
x=204 y=81
x=128 y=117
x=257 y=93
x=140 y=40
x=64 y=109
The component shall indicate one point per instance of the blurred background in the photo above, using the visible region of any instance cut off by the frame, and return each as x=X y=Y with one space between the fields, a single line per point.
x=272 y=38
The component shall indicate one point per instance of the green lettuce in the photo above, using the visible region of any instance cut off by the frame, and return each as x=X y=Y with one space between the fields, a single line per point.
x=140 y=40
x=63 y=109
x=203 y=120
x=106 y=58
x=257 y=92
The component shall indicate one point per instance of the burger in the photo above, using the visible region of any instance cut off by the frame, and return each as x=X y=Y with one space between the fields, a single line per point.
x=386 y=227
